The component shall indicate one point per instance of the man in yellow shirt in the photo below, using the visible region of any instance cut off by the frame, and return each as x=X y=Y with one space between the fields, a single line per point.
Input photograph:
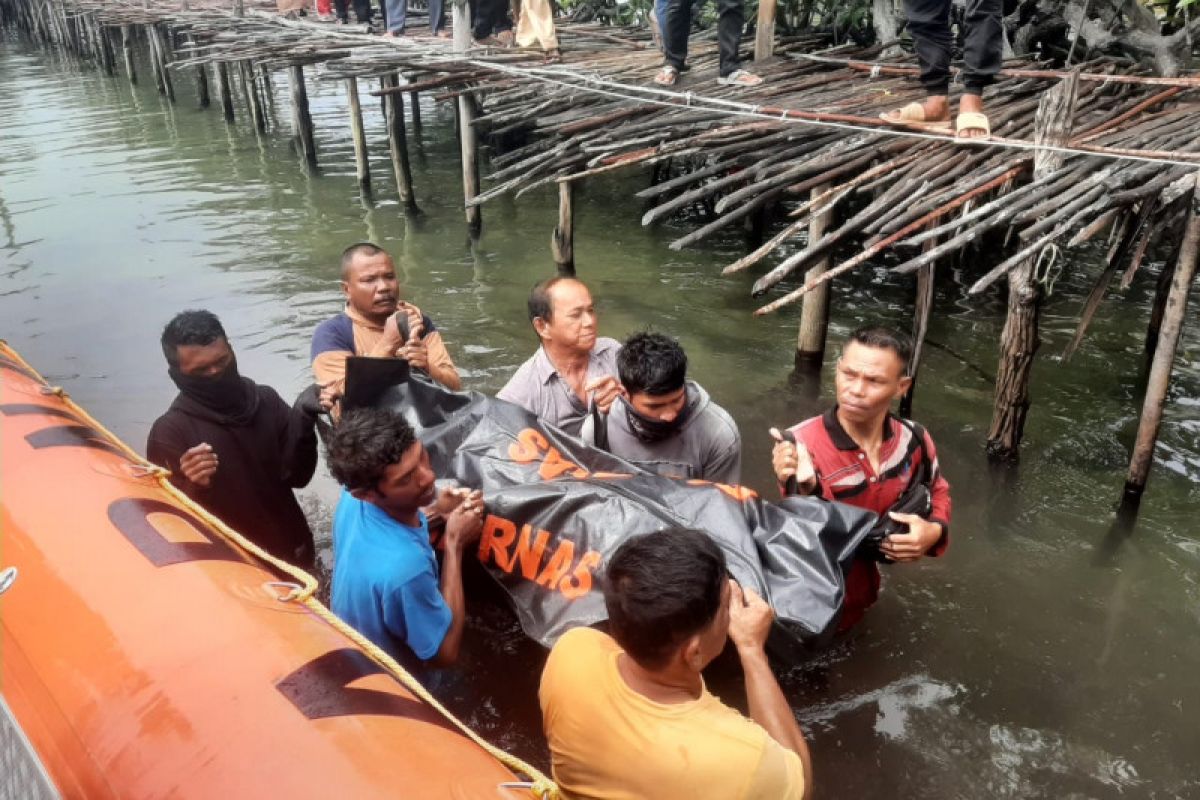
x=628 y=716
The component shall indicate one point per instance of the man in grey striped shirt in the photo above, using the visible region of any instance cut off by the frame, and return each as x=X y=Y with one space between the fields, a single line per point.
x=573 y=367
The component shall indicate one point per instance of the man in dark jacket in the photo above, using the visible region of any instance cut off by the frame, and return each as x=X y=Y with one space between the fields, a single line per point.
x=234 y=446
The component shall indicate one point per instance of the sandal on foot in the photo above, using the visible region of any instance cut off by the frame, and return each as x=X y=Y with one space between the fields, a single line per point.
x=667 y=76
x=553 y=56
x=740 y=77
x=913 y=115
x=972 y=121
x=505 y=38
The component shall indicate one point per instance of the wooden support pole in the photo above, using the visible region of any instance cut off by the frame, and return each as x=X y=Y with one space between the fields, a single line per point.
x=202 y=85
x=151 y=41
x=468 y=143
x=165 y=54
x=764 y=31
x=393 y=106
x=268 y=89
x=1164 y=355
x=224 y=90
x=1158 y=307
x=362 y=164
x=1020 y=339
x=414 y=101
x=104 y=49
x=814 y=313
x=253 y=98
x=921 y=314
x=127 y=52
x=562 y=241
x=302 y=126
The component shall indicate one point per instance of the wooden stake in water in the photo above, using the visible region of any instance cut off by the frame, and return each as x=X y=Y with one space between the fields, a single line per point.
x=468 y=143
x=1159 y=381
x=393 y=106
x=562 y=241
x=224 y=90
x=362 y=164
x=814 y=311
x=302 y=126
x=1020 y=339
x=127 y=52
x=253 y=98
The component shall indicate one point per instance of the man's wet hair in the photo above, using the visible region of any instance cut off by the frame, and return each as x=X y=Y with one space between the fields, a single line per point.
x=651 y=363
x=661 y=589
x=541 y=304
x=363 y=248
x=885 y=339
x=365 y=443
x=193 y=327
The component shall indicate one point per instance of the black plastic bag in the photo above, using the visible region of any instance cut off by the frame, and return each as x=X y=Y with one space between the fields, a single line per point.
x=557 y=509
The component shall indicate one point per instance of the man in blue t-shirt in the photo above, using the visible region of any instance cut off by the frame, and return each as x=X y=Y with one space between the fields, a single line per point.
x=386 y=581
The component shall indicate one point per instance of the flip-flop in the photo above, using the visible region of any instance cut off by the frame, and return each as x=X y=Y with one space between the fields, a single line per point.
x=553 y=56
x=667 y=76
x=740 y=77
x=913 y=116
x=972 y=121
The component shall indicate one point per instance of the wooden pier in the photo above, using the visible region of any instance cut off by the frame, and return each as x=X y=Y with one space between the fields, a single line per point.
x=1100 y=151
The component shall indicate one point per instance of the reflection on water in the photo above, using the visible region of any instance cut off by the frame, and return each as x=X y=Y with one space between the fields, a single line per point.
x=1042 y=657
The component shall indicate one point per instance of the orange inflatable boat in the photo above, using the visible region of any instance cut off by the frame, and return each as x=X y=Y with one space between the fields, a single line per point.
x=145 y=652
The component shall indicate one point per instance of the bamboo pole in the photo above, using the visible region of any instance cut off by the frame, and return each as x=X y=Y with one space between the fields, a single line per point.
x=362 y=164
x=302 y=127
x=1019 y=340
x=814 y=311
x=468 y=145
x=562 y=241
x=393 y=105
x=127 y=53
x=1164 y=356
x=224 y=90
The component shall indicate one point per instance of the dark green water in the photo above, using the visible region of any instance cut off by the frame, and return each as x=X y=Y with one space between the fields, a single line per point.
x=1041 y=658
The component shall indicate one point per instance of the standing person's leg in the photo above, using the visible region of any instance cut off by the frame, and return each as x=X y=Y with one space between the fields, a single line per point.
x=731 y=19
x=536 y=24
x=395 y=14
x=983 y=54
x=929 y=24
x=677 y=24
x=437 y=17
x=362 y=11
x=484 y=20
x=342 y=10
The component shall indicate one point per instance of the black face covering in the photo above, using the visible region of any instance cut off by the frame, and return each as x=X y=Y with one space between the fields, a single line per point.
x=228 y=394
x=655 y=430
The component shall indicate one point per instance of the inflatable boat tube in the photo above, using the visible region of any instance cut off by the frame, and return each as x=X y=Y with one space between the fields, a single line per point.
x=144 y=653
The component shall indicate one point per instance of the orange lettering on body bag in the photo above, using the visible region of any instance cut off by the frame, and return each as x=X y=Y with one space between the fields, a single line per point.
x=500 y=544
x=498 y=534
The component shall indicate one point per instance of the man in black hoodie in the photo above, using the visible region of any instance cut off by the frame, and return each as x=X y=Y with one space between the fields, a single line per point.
x=234 y=446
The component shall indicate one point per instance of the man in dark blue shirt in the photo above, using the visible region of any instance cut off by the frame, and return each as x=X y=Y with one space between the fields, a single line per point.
x=386 y=581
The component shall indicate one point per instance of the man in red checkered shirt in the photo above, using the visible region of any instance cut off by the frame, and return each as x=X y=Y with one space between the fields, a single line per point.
x=861 y=454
